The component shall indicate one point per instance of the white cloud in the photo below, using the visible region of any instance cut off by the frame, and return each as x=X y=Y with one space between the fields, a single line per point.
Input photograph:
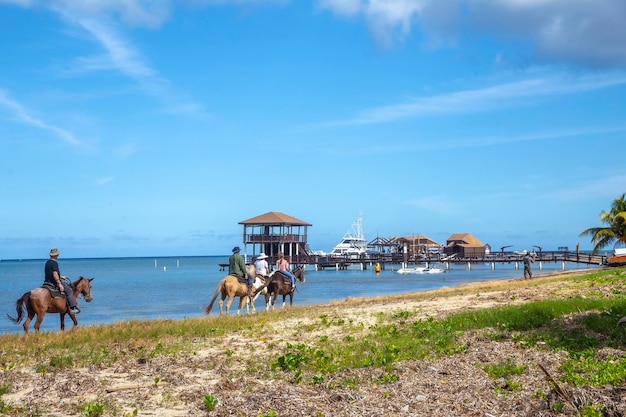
x=581 y=33
x=469 y=101
x=21 y=114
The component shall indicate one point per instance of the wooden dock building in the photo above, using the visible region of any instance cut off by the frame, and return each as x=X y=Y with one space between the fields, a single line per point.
x=275 y=232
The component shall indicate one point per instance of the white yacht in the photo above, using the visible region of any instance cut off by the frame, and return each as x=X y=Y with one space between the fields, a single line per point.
x=353 y=243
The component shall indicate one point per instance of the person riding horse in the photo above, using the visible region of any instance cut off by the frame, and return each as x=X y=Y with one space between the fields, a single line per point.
x=54 y=279
x=237 y=268
x=261 y=266
x=283 y=266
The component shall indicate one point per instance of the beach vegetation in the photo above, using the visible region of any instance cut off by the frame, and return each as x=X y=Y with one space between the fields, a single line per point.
x=329 y=342
x=614 y=229
x=210 y=402
x=93 y=410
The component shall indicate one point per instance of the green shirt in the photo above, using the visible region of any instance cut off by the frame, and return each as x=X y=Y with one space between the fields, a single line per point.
x=236 y=266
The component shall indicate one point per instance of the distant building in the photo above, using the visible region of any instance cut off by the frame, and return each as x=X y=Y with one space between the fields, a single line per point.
x=464 y=245
x=417 y=246
x=275 y=232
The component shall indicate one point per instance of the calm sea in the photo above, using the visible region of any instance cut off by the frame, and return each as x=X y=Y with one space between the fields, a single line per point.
x=179 y=287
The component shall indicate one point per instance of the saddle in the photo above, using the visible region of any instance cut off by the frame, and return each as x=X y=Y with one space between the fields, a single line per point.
x=242 y=280
x=54 y=292
x=285 y=278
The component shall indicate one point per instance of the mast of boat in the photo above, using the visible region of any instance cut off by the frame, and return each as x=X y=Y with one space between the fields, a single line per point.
x=356 y=230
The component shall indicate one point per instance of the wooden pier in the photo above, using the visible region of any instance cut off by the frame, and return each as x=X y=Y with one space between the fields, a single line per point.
x=388 y=261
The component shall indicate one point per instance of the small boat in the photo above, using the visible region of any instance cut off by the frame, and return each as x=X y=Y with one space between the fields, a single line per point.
x=420 y=270
x=618 y=258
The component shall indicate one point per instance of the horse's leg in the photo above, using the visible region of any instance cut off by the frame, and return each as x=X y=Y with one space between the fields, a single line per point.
x=62 y=319
x=220 y=303
x=30 y=313
x=243 y=301
x=229 y=302
x=27 y=321
x=40 y=316
x=267 y=301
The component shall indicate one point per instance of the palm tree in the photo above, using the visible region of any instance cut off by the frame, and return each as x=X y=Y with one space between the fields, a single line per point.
x=615 y=230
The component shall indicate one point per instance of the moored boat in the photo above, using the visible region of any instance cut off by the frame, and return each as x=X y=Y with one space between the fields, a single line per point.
x=353 y=243
x=618 y=258
x=421 y=270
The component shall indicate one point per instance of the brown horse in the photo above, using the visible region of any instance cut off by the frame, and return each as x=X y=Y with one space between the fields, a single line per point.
x=280 y=284
x=230 y=287
x=39 y=302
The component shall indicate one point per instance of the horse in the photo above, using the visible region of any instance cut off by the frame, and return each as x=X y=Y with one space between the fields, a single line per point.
x=40 y=301
x=280 y=284
x=230 y=287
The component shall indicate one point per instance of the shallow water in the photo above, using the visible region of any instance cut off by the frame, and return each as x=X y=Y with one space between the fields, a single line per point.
x=175 y=288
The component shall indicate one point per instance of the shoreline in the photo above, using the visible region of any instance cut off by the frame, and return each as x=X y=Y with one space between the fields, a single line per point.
x=234 y=366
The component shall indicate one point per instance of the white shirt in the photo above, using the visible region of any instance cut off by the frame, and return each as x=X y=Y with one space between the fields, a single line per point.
x=261 y=266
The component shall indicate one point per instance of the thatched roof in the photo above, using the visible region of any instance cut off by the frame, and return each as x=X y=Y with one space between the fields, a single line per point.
x=275 y=218
x=464 y=239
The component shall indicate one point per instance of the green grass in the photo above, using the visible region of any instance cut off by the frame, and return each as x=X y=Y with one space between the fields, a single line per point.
x=579 y=326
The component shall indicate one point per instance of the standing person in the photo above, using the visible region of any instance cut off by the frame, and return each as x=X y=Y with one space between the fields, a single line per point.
x=528 y=259
x=283 y=266
x=52 y=276
x=237 y=268
x=261 y=266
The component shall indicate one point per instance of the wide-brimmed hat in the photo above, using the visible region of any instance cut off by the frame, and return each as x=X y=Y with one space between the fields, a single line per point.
x=54 y=252
x=262 y=255
x=236 y=249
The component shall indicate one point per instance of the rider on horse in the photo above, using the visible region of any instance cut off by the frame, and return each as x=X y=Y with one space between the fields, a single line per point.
x=54 y=278
x=283 y=266
x=261 y=266
x=237 y=268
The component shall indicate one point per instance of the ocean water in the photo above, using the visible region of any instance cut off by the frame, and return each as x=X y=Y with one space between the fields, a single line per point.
x=179 y=287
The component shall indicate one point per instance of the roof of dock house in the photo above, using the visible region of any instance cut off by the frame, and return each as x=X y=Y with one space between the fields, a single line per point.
x=464 y=239
x=417 y=239
x=275 y=218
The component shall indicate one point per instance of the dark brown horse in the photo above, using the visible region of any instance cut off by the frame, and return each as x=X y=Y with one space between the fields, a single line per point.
x=39 y=302
x=280 y=284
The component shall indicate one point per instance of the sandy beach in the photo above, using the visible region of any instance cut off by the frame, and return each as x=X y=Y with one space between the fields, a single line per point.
x=448 y=386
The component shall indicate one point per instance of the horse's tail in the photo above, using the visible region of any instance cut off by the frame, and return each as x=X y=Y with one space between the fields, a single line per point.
x=19 y=308
x=218 y=291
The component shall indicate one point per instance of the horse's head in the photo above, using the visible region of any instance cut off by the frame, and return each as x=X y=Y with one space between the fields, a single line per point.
x=251 y=270
x=83 y=286
x=298 y=273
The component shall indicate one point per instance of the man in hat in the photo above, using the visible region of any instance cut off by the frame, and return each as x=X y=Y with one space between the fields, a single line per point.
x=53 y=276
x=261 y=266
x=237 y=268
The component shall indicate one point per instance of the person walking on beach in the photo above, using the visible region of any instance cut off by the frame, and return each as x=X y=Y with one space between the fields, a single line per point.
x=53 y=277
x=528 y=259
x=237 y=268
x=283 y=266
x=261 y=266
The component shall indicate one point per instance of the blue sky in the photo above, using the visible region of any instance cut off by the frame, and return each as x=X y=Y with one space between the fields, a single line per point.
x=142 y=128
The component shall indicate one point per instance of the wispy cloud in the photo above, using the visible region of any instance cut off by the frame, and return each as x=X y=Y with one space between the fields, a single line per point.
x=105 y=180
x=607 y=187
x=436 y=204
x=22 y=115
x=122 y=56
x=471 y=101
